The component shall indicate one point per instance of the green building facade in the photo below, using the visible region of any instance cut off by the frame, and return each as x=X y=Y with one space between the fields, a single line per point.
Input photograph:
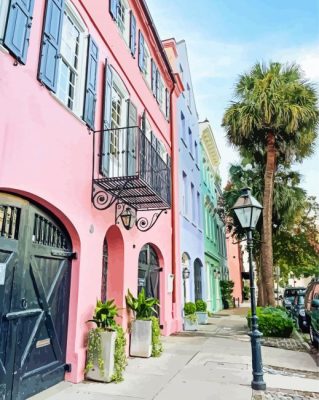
x=214 y=230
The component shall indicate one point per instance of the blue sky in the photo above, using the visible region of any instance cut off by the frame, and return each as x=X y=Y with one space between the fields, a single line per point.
x=226 y=37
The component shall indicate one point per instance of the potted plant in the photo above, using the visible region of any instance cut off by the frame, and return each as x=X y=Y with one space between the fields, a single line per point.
x=201 y=311
x=190 y=317
x=226 y=288
x=145 y=332
x=106 y=359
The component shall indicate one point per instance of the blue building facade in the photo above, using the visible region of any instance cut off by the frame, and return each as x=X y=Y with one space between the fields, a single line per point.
x=191 y=212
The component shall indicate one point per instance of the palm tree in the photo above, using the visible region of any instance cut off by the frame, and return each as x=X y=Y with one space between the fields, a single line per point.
x=275 y=113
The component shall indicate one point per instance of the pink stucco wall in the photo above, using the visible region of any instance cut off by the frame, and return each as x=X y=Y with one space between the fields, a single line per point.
x=234 y=265
x=46 y=156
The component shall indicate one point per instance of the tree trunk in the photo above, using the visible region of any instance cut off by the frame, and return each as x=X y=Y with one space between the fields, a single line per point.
x=266 y=247
x=261 y=296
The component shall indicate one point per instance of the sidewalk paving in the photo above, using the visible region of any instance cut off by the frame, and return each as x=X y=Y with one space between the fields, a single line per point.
x=203 y=367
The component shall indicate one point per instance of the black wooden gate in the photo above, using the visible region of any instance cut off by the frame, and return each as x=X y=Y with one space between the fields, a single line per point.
x=148 y=273
x=35 y=274
x=198 y=280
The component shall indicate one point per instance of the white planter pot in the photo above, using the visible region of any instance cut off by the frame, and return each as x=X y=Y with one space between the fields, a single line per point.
x=202 y=317
x=108 y=349
x=189 y=325
x=141 y=339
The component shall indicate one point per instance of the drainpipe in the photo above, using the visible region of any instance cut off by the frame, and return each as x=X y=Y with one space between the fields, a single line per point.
x=173 y=167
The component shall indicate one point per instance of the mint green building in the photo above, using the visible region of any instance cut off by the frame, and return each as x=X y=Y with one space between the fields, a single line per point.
x=214 y=230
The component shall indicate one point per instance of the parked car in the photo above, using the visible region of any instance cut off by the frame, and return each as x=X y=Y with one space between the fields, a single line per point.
x=312 y=310
x=289 y=295
x=297 y=311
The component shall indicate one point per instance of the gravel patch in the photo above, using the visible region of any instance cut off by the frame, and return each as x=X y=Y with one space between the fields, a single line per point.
x=295 y=395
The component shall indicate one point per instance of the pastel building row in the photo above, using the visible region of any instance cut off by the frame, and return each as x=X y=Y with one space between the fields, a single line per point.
x=107 y=181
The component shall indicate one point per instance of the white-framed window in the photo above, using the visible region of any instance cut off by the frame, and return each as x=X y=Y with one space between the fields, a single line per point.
x=123 y=19
x=71 y=72
x=4 y=7
x=147 y=65
x=117 y=136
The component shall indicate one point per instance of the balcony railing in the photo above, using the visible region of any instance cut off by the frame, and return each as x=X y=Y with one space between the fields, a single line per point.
x=131 y=170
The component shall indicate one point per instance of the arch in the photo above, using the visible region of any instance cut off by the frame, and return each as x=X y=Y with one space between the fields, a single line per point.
x=43 y=254
x=198 y=279
x=115 y=273
x=148 y=271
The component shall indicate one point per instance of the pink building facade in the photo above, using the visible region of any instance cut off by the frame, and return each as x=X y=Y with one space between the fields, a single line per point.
x=77 y=67
x=235 y=265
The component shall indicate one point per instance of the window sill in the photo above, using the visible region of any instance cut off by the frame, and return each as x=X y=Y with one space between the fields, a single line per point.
x=3 y=49
x=55 y=97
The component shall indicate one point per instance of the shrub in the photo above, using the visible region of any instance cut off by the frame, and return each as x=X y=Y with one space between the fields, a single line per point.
x=246 y=292
x=226 y=288
x=189 y=308
x=201 y=305
x=273 y=321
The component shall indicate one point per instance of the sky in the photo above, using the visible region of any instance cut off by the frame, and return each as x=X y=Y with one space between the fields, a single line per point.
x=225 y=38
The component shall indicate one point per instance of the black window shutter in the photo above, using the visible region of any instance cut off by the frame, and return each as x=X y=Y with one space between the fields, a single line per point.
x=153 y=72
x=51 y=41
x=107 y=118
x=17 y=34
x=132 y=33
x=91 y=83
x=141 y=51
x=131 y=138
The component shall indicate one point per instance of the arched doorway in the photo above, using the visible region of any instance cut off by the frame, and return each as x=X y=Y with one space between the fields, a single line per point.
x=35 y=272
x=198 y=279
x=149 y=272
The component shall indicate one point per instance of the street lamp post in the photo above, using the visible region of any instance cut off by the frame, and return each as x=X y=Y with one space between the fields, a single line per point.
x=247 y=210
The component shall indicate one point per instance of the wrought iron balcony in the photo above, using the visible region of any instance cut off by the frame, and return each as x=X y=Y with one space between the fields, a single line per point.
x=131 y=172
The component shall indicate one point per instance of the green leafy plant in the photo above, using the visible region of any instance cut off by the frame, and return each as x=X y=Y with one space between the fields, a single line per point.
x=104 y=315
x=246 y=291
x=226 y=288
x=201 y=305
x=273 y=321
x=120 y=361
x=143 y=307
x=189 y=308
x=104 y=318
x=94 y=351
x=157 y=347
x=189 y=311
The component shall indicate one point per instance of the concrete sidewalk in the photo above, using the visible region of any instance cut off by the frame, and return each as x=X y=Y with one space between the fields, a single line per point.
x=201 y=367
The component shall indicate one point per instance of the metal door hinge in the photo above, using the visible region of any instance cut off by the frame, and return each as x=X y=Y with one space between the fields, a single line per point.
x=61 y=253
x=68 y=367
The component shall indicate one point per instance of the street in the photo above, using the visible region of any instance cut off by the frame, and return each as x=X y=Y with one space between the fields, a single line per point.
x=212 y=363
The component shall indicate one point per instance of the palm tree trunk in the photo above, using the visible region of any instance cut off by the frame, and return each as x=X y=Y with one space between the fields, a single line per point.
x=266 y=247
x=261 y=296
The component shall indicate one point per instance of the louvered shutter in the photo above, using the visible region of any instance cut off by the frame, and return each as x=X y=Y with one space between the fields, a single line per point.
x=141 y=51
x=107 y=118
x=51 y=41
x=113 y=8
x=132 y=33
x=158 y=77
x=131 y=139
x=167 y=104
x=17 y=34
x=91 y=83
x=153 y=72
